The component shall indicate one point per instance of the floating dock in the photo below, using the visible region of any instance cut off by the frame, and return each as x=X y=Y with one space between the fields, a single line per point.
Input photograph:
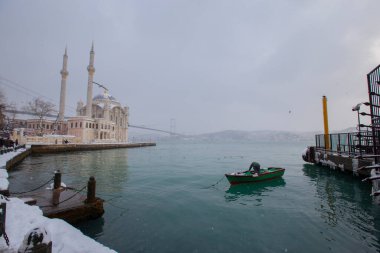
x=356 y=152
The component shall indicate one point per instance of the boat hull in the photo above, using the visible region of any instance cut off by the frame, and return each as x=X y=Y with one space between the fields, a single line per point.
x=248 y=177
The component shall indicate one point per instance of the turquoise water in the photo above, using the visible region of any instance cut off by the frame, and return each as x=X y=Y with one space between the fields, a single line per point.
x=159 y=199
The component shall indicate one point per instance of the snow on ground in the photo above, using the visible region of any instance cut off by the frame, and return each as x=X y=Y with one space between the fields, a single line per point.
x=22 y=218
x=3 y=172
x=8 y=156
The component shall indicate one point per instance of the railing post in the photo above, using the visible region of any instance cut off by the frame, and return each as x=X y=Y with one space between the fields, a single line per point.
x=349 y=144
x=3 y=213
x=57 y=179
x=338 y=147
x=91 y=190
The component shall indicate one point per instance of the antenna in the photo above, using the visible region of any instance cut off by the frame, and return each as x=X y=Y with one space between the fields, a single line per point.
x=100 y=85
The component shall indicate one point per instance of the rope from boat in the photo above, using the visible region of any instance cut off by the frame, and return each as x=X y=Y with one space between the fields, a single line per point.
x=39 y=187
x=220 y=180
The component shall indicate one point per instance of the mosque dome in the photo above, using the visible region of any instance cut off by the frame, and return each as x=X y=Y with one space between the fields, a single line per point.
x=103 y=97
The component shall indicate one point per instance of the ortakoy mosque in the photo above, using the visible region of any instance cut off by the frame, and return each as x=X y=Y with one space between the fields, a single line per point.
x=101 y=119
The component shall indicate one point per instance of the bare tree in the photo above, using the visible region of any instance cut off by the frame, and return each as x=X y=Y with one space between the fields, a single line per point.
x=2 y=109
x=9 y=117
x=41 y=109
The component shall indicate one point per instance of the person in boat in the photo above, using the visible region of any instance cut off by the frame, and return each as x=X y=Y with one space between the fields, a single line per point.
x=255 y=167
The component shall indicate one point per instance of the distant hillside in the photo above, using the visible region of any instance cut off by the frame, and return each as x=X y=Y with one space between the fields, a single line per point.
x=274 y=136
x=237 y=135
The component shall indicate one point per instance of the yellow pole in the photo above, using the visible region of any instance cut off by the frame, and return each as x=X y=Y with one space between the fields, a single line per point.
x=326 y=122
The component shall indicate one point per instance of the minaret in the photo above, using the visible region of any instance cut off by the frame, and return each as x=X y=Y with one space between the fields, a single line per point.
x=91 y=71
x=62 y=98
x=106 y=105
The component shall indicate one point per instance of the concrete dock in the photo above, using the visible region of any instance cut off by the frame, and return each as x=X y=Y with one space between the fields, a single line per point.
x=338 y=161
x=58 y=148
x=40 y=149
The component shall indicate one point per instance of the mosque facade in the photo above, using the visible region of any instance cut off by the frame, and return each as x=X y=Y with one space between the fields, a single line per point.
x=101 y=120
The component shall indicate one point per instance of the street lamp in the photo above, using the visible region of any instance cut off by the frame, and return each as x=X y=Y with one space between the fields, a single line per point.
x=356 y=108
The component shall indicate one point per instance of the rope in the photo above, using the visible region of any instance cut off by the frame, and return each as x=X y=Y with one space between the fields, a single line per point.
x=220 y=180
x=4 y=234
x=72 y=196
x=17 y=193
x=124 y=210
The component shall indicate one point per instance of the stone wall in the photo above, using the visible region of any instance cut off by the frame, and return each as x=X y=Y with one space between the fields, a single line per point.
x=38 y=149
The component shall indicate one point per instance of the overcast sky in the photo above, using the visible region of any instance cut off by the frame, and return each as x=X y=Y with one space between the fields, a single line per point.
x=210 y=65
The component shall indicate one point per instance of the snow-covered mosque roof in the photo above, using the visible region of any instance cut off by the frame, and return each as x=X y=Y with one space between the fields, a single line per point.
x=103 y=96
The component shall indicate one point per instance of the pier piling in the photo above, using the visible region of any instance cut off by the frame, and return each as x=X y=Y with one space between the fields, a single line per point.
x=91 y=190
x=57 y=179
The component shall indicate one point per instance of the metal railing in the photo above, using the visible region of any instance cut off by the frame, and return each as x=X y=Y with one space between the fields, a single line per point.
x=350 y=144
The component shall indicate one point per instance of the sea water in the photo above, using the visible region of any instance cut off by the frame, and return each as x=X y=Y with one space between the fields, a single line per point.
x=174 y=198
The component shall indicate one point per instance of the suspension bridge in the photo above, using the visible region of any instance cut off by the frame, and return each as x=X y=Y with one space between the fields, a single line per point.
x=24 y=112
x=20 y=88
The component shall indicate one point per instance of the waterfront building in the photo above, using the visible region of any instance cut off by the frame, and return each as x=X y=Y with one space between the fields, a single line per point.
x=101 y=119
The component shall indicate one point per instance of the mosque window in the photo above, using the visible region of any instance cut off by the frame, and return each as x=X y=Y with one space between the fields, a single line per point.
x=76 y=124
x=96 y=126
x=86 y=124
x=80 y=125
x=71 y=124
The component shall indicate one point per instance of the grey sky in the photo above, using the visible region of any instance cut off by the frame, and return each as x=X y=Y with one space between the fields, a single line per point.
x=211 y=65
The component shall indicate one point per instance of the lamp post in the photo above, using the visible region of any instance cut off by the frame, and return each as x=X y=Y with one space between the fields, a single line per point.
x=356 y=108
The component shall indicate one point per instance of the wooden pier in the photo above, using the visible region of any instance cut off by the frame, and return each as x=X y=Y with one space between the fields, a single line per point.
x=64 y=202
x=67 y=203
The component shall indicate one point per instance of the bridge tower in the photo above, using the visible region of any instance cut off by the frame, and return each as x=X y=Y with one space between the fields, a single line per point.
x=62 y=98
x=91 y=71
x=172 y=126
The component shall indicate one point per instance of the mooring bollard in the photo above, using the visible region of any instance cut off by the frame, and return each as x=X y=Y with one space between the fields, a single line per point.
x=57 y=179
x=91 y=190
x=36 y=240
x=56 y=196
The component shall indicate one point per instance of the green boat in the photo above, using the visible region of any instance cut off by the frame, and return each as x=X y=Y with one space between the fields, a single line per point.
x=249 y=176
